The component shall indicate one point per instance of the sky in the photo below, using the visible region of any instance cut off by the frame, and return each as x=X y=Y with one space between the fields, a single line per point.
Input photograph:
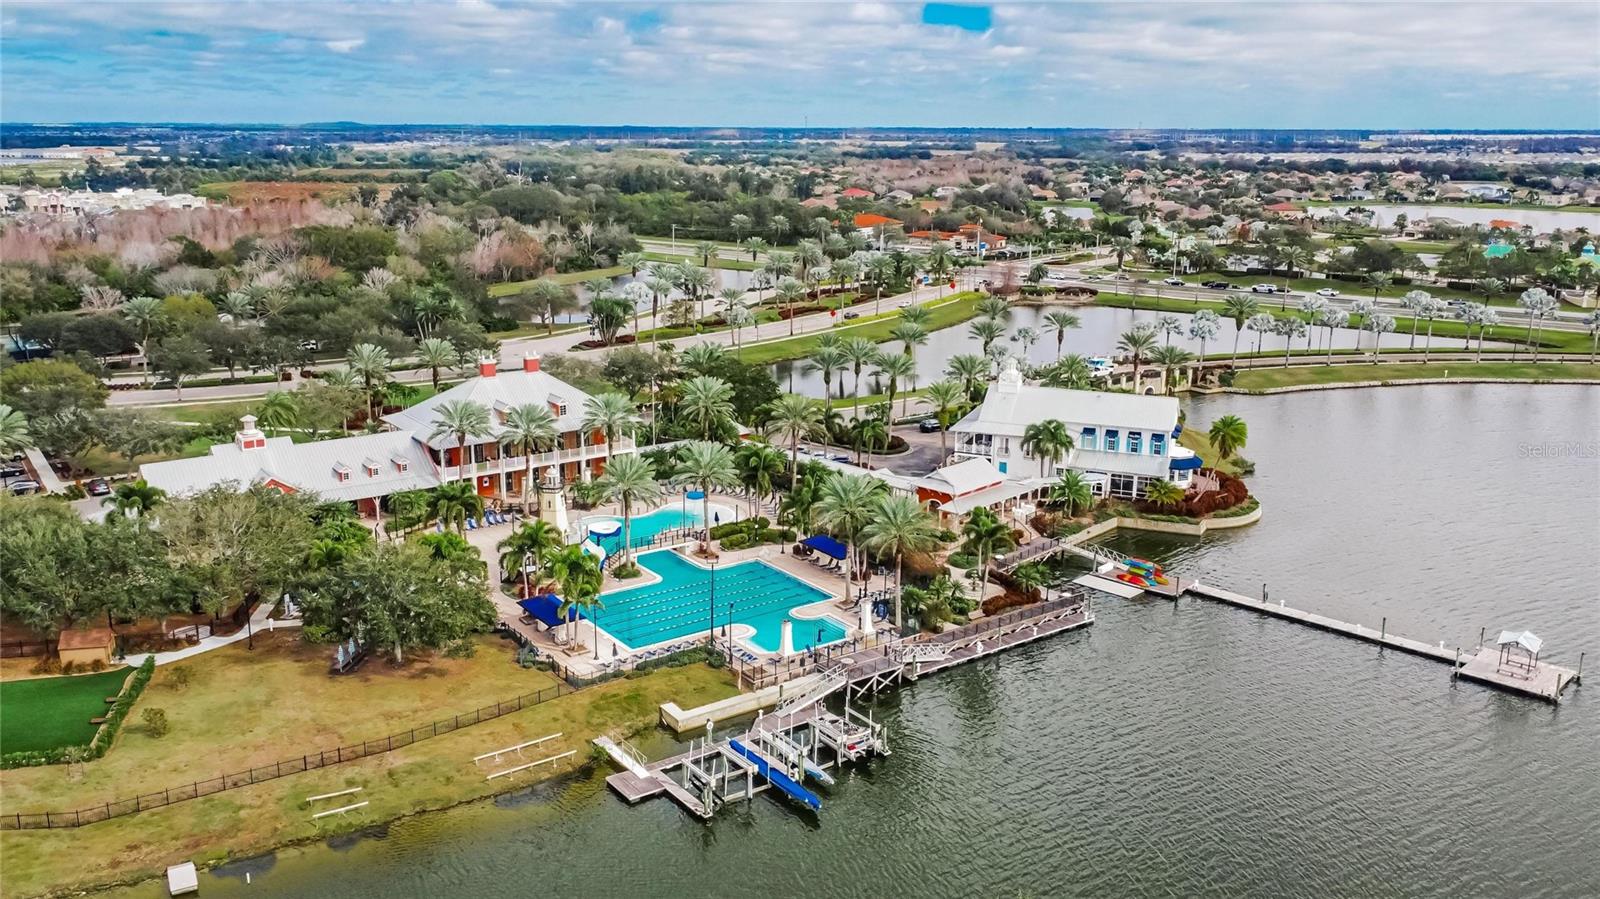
x=1191 y=64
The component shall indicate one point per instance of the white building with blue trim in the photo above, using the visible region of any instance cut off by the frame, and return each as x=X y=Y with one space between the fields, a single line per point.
x=1123 y=441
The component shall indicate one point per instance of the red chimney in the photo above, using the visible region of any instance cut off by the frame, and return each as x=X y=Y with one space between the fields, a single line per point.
x=486 y=367
x=530 y=361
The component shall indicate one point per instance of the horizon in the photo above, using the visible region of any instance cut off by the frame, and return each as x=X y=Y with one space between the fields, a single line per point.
x=1150 y=66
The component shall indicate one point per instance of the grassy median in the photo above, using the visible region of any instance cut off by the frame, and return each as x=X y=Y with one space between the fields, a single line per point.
x=1269 y=378
x=240 y=709
x=952 y=310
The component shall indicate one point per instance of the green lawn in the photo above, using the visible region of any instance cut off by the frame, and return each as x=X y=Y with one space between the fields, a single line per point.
x=1266 y=379
x=1514 y=331
x=731 y=264
x=507 y=288
x=952 y=310
x=52 y=712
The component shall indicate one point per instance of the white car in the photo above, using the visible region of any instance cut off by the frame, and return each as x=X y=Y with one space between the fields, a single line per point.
x=1327 y=292
x=1264 y=288
x=1173 y=282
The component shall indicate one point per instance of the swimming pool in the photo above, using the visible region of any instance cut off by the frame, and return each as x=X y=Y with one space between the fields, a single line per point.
x=644 y=528
x=679 y=605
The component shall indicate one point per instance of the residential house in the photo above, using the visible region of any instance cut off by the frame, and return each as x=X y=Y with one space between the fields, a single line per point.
x=876 y=227
x=412 y=455
x=898 y=196
x=1123 y=442
x=857 y=193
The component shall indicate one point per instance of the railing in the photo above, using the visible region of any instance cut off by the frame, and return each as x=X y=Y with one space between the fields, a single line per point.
x=309 y=761
x=569 y=454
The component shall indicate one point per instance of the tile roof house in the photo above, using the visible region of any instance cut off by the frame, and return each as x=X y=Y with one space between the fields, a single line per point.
x=367 y=467
x=857 y=193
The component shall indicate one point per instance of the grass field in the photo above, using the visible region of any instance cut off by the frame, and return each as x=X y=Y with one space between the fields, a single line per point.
x=722 y=262
x=952 y=310
x=1266 y=379
x=507 y=288
x=51 y=712
x=245 y=708
x=1513 y=332
x=265 y=191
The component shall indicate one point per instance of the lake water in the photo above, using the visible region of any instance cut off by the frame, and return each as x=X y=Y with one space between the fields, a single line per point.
x=1540 y=220
x=1102 y=325
x=1186 y=750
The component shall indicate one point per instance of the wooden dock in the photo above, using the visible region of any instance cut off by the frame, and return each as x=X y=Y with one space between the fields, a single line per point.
x=1480 y=664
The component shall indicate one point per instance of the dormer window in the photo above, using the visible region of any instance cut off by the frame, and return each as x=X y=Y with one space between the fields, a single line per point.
x=401 y=463
x=370 y=467
x=341 y=472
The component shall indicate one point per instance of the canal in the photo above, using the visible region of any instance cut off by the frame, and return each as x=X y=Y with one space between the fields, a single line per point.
x=1171 y=750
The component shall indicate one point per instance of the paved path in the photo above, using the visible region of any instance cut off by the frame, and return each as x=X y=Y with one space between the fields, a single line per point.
x=258 y=622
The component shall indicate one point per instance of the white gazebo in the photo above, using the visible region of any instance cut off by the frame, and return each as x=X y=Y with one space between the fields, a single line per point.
x=1519 y=651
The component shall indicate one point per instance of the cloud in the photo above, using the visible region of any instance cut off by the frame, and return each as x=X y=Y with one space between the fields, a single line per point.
x=1325 y=64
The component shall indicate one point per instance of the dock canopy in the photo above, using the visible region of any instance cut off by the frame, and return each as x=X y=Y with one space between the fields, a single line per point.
x=546 y=607
x=1524 y=639
x=826 y=545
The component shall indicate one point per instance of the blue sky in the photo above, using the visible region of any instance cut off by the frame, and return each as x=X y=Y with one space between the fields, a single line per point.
x=1078 y=64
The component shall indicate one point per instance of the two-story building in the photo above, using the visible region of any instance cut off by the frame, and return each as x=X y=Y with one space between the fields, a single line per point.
x=413 y=455
x=1122 y=441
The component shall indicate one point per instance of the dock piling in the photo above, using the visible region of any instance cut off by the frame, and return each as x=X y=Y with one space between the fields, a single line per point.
x=1383 y=629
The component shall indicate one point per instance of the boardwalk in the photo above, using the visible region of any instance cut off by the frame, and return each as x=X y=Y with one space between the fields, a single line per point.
x=1480 y=664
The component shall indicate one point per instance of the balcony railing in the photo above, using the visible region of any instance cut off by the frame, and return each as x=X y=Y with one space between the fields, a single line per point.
x=555 y=457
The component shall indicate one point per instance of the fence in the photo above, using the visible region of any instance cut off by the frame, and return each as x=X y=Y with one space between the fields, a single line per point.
x=27 y=648
x=310 y=761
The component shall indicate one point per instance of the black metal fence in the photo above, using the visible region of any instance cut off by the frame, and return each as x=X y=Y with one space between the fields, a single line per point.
x=309 y=761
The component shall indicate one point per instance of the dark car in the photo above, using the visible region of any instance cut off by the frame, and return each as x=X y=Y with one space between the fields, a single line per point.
x=1216 y=285
x=928 y=425
x=12 y=471
x=97 y=487
x=850 y=315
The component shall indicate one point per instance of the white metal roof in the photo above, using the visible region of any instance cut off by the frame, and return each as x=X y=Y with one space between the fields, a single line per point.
x=306 y=467
x=1524 y=639
x=1009 y=412
x=498 y=394
x=962 y=477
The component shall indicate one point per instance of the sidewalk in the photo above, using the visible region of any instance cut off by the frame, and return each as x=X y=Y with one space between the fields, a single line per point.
x=258 y=622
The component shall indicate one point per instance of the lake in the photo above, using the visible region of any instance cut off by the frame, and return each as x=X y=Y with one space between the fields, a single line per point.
x=1170 y=750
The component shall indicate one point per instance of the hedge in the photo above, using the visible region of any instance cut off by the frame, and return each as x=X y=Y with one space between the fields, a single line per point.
x=101 y=743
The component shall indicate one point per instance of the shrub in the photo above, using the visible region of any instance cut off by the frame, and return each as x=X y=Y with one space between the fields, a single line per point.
x=97 y=665
x=735 y=541
x=963 y=560
x=155 y=721
x=626 y=571
x=180 y=676
x=47 y=664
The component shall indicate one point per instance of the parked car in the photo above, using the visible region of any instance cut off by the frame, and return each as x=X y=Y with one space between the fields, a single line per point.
x=1327 y=292
x=928 y=425
x=1173 y=282
x=97 y=487
x=22 y=485
x=1263 y=288
x=12 y=471
x=840 y=458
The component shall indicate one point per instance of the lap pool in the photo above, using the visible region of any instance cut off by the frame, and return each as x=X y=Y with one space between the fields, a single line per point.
x=679 y=605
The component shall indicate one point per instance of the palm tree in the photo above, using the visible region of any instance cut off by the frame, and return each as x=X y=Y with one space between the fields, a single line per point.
x=434 y=353
x=1379 y=324
x=145 y=315
x=1333 y=319
x=460 y=419
x=1049 y=440
x=793 y=417
x=706 y=465
x=987 y=331
x=1539 y=306
x=1164 y=494
x=371 y=364
x=138 y=498
x=1591 y=321
x=708 y=402
x=1377 y=281
x=580 y=579
x=994 y=307
x=529 y=428
x=449 y=547
x=1240 y=308
x=1228 y=435
x=702 y=358
x=789 y=292
x=1073 y=492
x=917 y=315
x=633 y=262
x=858 y=352
x=759 y=465
x=611 y=414
x=1136 y=342
x=630 y=480
x=1260 y=323
x=278 y=411
x=910 y=334
x=899 y=525
x=845 y=506
x=1431 y=311
x=828 y=360
x=946 y=397
x=1293 y=258
x=970 y=370
x=898 y=368
x=1203 y=326
x=868 y=430
x=1415 y=302
x=938 y=264
x=14 y=434
x=986 y=535
x=1290 y=329
x=1170 y=357
x=779 y=225
x=405 y=505
x=454 y=502
x=1070 y=372
x=1060 y=322
x=532 y=541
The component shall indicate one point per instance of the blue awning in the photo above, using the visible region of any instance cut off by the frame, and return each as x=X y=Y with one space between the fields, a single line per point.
x=547 y=608
x=1190 y=464
x=1177 y=430
x=826 y=545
